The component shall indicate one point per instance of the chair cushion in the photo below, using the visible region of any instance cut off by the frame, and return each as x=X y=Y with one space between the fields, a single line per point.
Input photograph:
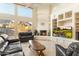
x=5 y=44
x=5 y=36
x=69 y=51
x=12 y=48
x=73 y=49
x=60 y=51
x=25 y=33
x=27 y=37
x=14 y=45
x=1 y=40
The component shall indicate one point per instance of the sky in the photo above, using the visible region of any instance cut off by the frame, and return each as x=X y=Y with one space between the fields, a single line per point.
x=9 y=8
x=25 y=12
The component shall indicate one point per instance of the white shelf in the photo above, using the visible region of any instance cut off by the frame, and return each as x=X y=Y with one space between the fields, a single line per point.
x=61 y=20
x=70 y=18
x=67 y=19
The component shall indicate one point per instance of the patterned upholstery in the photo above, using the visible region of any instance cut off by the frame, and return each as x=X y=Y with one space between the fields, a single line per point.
x=72 y=50
x=12 y=48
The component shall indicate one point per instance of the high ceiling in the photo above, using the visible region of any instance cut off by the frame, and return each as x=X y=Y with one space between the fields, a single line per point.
x=38 y=5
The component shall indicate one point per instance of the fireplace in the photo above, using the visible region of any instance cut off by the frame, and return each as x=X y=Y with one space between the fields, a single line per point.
x=43 y=32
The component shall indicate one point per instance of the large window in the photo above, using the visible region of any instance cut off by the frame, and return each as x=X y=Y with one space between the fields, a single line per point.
x=7 y=8
x=23 y=11
x=7 y=24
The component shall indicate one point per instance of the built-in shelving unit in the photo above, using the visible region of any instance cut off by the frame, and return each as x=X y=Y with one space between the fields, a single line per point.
x=77 y=25
x=65 y=19
x=54 y=24
x=77 y=21
x=64 y=25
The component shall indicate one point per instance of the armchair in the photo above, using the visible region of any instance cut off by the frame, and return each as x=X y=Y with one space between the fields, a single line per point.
x=25 y=36
x=10 y=47
x=72 y=50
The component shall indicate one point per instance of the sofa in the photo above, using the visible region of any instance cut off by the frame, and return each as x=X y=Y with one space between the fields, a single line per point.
x=72 y=50
x=25 y=36
x=10 y=47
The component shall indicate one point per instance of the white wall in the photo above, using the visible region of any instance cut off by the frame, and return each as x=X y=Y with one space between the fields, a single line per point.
x=34 y=19
x=43 y=17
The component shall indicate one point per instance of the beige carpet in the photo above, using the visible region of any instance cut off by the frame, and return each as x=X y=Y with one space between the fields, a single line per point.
x=49 y=51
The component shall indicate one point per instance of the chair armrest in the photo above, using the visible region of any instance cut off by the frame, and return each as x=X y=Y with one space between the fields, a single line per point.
x=10 y=41
x=60 y=51
x=13 y=40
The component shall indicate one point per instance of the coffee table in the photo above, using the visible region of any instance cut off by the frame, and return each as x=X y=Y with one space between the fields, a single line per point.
x=35 y=45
